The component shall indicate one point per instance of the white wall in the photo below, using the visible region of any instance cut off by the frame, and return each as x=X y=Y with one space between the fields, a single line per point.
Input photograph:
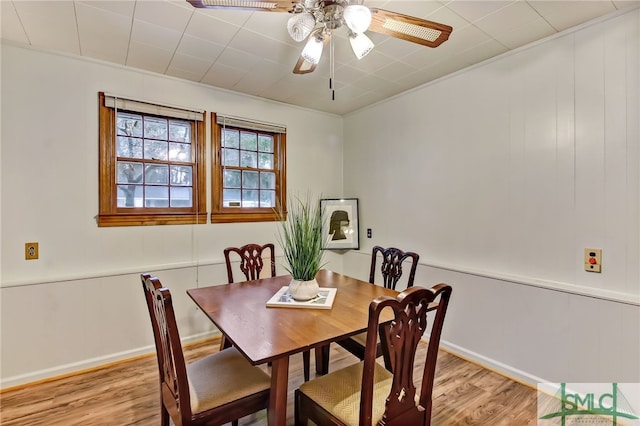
x=81 y=303
x=500 y=176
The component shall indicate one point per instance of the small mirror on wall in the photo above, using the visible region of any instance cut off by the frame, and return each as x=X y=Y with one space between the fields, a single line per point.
x=340 y=223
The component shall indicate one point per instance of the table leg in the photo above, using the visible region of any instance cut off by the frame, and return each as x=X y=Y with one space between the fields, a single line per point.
x=322 y=360
x=278 y=397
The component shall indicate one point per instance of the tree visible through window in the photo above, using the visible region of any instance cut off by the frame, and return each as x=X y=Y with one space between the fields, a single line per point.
x=248 y=170
x=151 y=164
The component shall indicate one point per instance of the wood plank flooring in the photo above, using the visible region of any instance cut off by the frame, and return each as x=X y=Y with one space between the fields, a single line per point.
x=127 y=394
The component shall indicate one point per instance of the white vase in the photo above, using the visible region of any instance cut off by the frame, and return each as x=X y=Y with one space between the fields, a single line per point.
x=303 y=290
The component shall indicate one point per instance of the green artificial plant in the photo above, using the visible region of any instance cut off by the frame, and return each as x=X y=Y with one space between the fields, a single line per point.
x=300 y=236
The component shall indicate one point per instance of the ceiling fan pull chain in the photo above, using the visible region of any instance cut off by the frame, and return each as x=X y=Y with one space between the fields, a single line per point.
x=331 y=69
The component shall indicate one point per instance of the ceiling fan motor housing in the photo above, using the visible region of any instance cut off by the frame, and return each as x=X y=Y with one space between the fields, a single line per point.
x=332 y=15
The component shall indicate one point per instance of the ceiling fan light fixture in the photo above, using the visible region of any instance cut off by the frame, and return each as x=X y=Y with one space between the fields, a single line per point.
x=313 y=49
x=300 y=25
x=357 y=17
x=361 y=45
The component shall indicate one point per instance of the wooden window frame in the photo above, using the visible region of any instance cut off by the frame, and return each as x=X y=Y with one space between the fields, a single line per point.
x=111 y=215
x=221 y=214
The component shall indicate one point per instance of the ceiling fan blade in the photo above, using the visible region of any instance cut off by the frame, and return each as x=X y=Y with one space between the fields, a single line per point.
x=260 y=5
x=409 y=28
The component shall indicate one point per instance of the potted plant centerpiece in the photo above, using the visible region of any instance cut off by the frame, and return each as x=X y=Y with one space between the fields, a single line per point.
x=300 y=236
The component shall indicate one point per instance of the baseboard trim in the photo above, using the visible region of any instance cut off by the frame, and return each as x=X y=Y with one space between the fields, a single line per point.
x=80 y=367
x=490 y=364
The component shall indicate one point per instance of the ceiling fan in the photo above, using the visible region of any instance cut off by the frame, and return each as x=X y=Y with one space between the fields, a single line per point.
x=314 y=20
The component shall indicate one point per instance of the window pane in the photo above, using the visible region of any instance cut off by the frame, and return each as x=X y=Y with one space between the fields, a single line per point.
x=180 y=197
x=267 y=180
x=249 y=159
x=267 y=198
x=129 y=124
x=265 y=143
x=156 y=173
x=265 y=161
x=250 y=180
x=156 y=150
x=129 y=147
x=231 y=198
x=156 y=196
x=129 y=172
x=179 y=152
x=231 y=138
x=129 y=196
x=181 y=175
x=249 y=141
x=179 y=131
x=155 y=128
x=232 y=179
x=231 y=157
x=250 y=198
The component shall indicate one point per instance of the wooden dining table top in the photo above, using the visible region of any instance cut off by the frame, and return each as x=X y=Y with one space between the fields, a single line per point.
x=264 y=333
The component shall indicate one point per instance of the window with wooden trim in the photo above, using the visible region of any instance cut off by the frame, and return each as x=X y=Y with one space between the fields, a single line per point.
x=249 y=173
x=152 y=164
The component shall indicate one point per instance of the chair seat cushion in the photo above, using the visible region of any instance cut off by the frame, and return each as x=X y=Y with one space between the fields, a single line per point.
x=339 y=392
x=223 y=377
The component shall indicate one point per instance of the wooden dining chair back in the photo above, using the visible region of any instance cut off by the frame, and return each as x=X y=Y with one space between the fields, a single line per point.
x=251 y=260
x=392 y=260
x=214 y=390
x=368 y=394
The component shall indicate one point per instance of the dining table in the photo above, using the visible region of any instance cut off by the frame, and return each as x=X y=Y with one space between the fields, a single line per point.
x=272 y=334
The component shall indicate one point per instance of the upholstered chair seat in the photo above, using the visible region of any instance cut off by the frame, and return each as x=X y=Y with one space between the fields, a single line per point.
x=234 y=380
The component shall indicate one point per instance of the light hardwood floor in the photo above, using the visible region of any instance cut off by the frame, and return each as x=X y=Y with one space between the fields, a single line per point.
x=127 y=394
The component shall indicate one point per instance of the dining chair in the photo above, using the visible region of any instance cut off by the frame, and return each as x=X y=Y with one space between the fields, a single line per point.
x=251 y=260
x=366 y=393
x=214 y=390
x=392 y=260
x=251 y=263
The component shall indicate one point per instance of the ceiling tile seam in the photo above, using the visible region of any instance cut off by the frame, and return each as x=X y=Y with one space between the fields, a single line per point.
x=223 y=50
x=75 y=15
x=133 y=15
x=210 y=66
x=173 y=55
x=24 y=30
x=543 y=18
x=490 y=38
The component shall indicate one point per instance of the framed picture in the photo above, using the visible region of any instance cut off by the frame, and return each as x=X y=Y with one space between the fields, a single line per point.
x=340 y=223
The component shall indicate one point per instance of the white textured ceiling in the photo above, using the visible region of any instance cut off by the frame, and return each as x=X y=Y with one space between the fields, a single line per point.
x=251 y=52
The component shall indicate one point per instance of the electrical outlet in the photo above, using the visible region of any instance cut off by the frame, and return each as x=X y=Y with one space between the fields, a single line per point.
x=593 y=260
x=30 y=251
x=368 y=232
